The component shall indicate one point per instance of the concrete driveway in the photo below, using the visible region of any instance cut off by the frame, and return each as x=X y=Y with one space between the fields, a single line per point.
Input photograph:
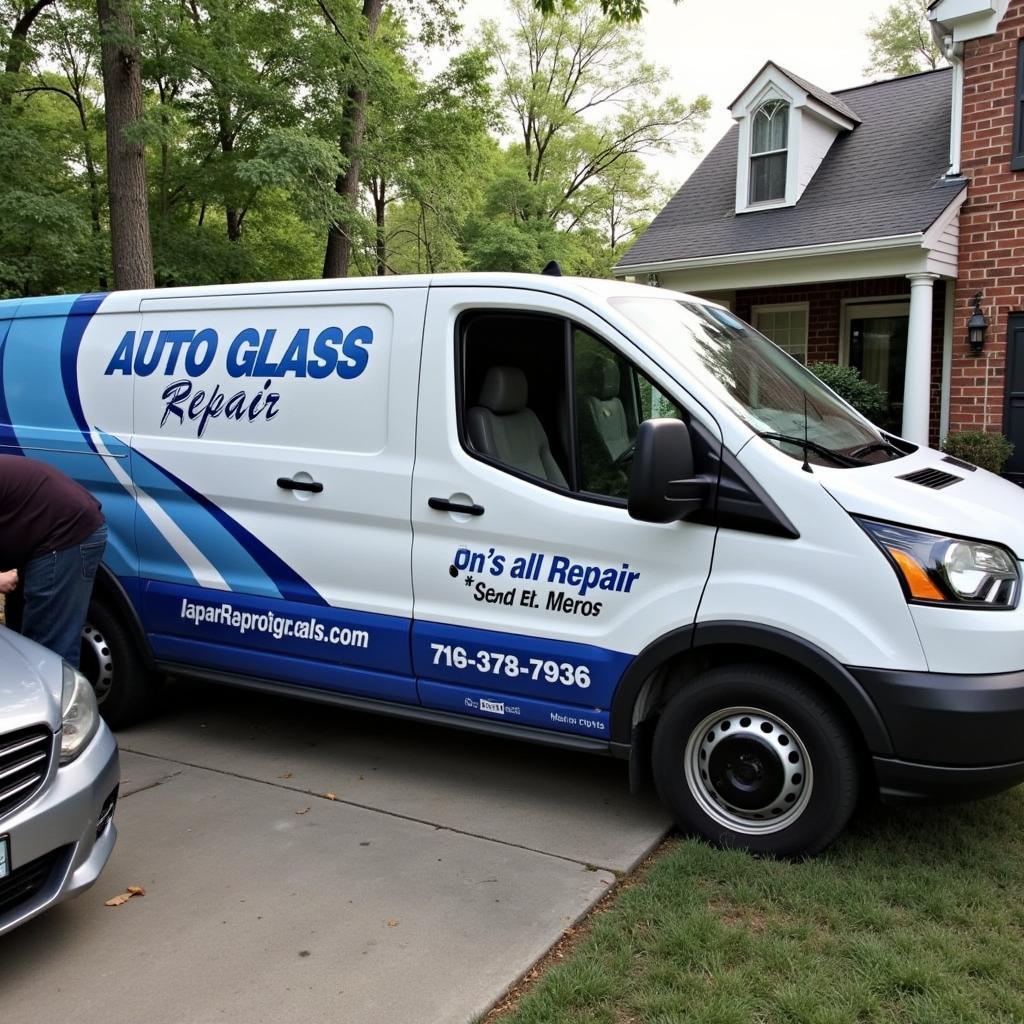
x=445 y=865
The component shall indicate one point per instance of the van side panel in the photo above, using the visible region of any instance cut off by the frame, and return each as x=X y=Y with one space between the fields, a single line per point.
x=237 y=399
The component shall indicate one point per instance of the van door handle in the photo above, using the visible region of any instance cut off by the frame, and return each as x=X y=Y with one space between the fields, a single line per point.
x=444 y=505
x=299 y=485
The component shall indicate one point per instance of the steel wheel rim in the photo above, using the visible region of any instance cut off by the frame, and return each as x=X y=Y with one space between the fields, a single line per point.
x=748 y=770
x=97 y=663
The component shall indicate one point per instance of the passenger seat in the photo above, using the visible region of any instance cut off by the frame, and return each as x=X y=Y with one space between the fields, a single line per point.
x=502 y=426
x=602 y=406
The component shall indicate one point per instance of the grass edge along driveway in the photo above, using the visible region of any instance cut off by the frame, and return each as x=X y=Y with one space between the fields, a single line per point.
x=916 y=915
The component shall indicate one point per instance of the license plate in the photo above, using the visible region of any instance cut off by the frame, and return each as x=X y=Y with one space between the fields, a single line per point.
x=5 y=856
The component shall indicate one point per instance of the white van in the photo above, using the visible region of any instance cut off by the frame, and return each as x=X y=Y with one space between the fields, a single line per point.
x=585 y=513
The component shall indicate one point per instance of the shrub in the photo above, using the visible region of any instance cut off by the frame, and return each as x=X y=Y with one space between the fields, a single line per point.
x=867 y=398
x=990 y=451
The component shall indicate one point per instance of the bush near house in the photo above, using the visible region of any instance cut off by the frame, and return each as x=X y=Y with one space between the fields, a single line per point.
x=867 y=398
x=990 y=451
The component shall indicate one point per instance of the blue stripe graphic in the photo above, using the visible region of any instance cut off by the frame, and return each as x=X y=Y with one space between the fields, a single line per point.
x=74 y=329
x=8 y=438
x=288 y=583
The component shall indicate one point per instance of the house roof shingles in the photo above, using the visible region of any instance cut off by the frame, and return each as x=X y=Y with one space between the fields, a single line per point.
x=884 y=178
x=823 y=97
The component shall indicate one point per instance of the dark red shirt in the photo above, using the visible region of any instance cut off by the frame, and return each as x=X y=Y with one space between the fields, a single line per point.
x=41 y=510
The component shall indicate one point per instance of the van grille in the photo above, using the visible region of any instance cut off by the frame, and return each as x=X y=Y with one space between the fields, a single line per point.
x=23 y=883
x=936 y=479
x=24 y=762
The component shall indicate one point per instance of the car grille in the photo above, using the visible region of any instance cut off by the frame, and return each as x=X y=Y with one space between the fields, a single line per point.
x=24 y=761
x=23 y=883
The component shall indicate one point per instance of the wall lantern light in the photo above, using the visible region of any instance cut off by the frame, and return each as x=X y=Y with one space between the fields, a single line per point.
x=976 y=327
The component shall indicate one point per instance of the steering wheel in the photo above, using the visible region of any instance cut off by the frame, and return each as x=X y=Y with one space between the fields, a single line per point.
x=625 y=456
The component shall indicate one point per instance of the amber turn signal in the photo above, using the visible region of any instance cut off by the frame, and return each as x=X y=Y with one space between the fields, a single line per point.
x=918 y=581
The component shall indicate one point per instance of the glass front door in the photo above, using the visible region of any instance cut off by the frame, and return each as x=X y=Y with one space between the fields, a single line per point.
x=878 y=348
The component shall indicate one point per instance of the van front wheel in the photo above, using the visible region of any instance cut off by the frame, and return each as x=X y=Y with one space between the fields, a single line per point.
x=110 y=660
x=750 y=757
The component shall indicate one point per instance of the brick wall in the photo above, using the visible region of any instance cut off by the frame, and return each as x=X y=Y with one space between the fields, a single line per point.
x=825 y=318
x=991 y=225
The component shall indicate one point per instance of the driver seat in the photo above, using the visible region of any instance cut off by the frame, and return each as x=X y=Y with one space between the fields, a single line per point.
x=500 y=425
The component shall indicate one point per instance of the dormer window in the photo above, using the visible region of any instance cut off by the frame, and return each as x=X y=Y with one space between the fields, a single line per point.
x=769 y=152
x=786 y=128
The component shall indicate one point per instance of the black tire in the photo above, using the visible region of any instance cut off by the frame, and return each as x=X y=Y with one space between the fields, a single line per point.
x=125 y=688
x=781 y=780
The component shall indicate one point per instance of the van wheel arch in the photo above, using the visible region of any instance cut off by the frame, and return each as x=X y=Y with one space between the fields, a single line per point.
x=109 y=592
x=116 y=656
x=658 y=672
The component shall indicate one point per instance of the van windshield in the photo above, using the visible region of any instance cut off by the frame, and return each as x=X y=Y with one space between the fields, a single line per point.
x=769 y=390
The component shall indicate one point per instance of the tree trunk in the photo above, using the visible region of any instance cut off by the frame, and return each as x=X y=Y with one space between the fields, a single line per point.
x=379 y=207
x=339 y=241
x=130 y=244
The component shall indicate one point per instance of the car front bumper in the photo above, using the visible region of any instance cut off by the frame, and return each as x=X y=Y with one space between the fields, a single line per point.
x=61 y=839
x=953 y=736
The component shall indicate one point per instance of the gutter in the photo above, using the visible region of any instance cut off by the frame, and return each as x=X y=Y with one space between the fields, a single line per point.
x=914 y=238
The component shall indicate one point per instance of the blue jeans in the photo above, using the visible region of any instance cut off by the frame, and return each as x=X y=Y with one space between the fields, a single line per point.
x=58 y=587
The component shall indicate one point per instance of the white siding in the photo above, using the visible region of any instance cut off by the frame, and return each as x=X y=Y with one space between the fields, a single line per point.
x=816 y=139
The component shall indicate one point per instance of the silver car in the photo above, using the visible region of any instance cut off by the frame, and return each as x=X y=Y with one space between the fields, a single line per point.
x=59 y=775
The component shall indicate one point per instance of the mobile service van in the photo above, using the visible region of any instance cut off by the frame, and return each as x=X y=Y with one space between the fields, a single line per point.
x=585 y=513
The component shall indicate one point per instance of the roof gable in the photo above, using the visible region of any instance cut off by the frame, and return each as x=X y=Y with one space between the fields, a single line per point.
x=886 y=178
x=826 y=99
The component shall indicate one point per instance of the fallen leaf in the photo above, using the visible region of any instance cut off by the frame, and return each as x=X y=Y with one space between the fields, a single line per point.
x=331 y=796
x=124 y=897
x=287 y=775
x=304 y=810
x=392 y=922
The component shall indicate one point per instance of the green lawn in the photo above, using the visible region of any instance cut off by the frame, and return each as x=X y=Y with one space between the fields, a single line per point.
x=915 y=915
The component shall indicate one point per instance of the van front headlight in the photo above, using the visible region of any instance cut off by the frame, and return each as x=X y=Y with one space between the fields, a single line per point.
x=79 y=714
x=950 y=571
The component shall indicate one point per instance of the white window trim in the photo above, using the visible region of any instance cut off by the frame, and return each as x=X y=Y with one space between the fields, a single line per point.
x=752 y=156
x=786 y=307
x=855 y=309
x=771 y=91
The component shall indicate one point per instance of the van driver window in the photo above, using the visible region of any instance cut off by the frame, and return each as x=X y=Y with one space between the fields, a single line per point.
x=516 y=402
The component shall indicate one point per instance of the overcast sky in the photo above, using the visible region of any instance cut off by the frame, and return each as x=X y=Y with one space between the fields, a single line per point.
x=716 y=46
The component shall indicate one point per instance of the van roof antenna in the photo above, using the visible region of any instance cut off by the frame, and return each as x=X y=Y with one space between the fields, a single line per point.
x=552 y=269
x=806 y=467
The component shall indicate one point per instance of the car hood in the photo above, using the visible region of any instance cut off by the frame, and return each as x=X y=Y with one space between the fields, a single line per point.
x=978 y=505
x=31 y=679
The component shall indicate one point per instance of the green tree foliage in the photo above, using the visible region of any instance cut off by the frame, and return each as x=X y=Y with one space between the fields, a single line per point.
x=902 y=42
x=247 y=129
x=584 y=110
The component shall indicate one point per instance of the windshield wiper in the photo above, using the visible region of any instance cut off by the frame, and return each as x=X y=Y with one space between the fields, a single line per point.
x=876 y=446
x=813 y=446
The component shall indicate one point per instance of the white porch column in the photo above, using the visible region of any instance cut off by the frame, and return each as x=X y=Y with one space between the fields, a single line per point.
x=917 y=389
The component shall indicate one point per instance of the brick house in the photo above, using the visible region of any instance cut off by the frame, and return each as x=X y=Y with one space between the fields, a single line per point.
x=857 y=226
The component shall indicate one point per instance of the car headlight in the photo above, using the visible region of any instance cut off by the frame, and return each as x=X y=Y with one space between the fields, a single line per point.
x=79 y=714
x=935 y=569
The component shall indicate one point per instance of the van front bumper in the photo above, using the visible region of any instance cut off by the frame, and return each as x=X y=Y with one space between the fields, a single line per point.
x=953 y=736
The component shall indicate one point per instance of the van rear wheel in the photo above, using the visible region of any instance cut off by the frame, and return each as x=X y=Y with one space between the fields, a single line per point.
x=125 y=688
x=750 y=757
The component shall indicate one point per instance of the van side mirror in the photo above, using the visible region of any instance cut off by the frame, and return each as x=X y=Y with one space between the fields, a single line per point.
x=662 y=487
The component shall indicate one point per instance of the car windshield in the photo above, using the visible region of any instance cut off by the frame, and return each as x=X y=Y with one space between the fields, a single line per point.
x=765 y=387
